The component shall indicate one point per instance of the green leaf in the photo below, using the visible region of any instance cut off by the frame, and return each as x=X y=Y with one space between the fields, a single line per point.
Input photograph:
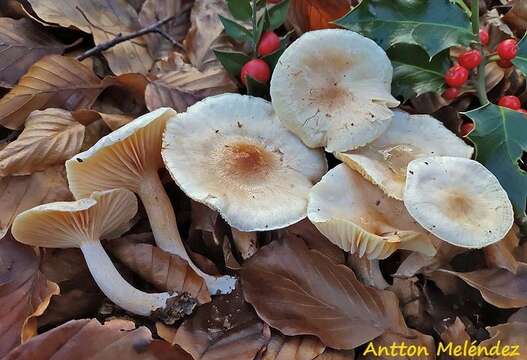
x=236 y=31
x=521 y=59
x=413 y=73
x=272 y=59
x=261 y=25
x=435 y=25
x=278 y=15
x=256 y=88
x=232 y=61
x=500 y=140
x=240 y=9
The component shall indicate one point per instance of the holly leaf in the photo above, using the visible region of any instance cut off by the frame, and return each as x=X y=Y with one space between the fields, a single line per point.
x=521 y=59
x=240 y=9
x=499 y=137
x=232 y=61
x=413 y=73
x=434 y=25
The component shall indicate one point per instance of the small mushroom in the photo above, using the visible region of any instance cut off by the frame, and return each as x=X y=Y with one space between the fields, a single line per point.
x=358 y=217
x=409 y=137
x=458 y=200
x=332 y=88
x=83 y=223
x=231 y=153
x=130 y=158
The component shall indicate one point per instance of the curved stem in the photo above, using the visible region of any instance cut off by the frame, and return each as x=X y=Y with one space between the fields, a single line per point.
x=481 y=86
x=164 y=227
x=115 y=287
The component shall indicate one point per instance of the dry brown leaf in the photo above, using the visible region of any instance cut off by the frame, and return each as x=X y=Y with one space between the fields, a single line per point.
x=50 y=137
x=301 y=292
x=519 y=316
x=88 y=339
x=307 y=15
x=24 y=293
x=183 y=87
x=331 y=354
x=293 y=348
x=155 y=10
x=512 y=333
x=226 y=328
x=54 y=81
x=113 y=121
x=20 y=193
x=517 y=17
x=22 y=43
x=206 y=33
x=498 y=287
x=107 y=18
x=165 y=271
x=456 y=333
x=500 y=254
x=368 y=271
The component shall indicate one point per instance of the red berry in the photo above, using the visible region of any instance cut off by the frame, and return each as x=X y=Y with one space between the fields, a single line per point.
x=451 y=93
x=505 y=64
x=484 y=37
x=507 y=49
x=257 y=69
x=456 y=76
x=269 y=43
x=470 y=59
x=466 y=128
x=511 y=102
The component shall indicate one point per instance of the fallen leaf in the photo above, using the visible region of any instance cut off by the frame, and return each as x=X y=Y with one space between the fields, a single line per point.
x=519 y=316
x=165 y=271
x=185 y=86
x=411 y=299
x=24 y=293
x=512 y=333
x=331 y=354
x=113 y=121
x=516 y=17
x=456 y=333
x=226 y=328
x=308 y=15
x=20 y=193
x=498 y=287
x=88 y=339
x=301 y=292
x=54 y=81
x=50 y=137
x=22 y=43
x=296 y=347
x=155 y=10
x=500 y=254
x=119 y=17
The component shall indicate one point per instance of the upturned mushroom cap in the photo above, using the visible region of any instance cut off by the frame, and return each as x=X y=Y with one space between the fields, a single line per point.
x=231 y=153
x=458 y=200
x=332 y=89
x=120 y=159
x=104 y=215
x=358 y=217
x=409 y=137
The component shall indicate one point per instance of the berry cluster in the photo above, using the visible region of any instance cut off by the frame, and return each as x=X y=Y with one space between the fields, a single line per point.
x=257 y=68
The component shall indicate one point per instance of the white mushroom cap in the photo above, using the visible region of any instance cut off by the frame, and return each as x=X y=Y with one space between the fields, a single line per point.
x=458 y=200
x=409 y=137
x=104 y=215
x=332 y=89
x=120 y=158
x=231 y=153
x=358 y=217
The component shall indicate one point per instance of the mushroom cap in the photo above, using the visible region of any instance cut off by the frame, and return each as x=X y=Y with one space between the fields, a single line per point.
x=231 y=153
x=384 y=161
x=358 y=217
x=121 y=158
x=458 y=200
x=104 y=215
x=332 y=88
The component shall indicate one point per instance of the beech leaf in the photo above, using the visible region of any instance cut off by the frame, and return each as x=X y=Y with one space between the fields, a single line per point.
x=50 y=137
x=512 y=334
x=307 y=15
x=301 y=292
x=295 y=347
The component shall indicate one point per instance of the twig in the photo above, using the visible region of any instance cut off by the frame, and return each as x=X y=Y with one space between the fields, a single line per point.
x=481 y=86
x=119 y=38
x=169 y=37
x=255 y=25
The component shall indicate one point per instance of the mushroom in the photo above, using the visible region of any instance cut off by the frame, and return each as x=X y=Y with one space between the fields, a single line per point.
x=384 y=161
x=332 y=88
x=458 y=200
x=231 y=153
x=82 y=223
x=358 y=217
x=130 y=158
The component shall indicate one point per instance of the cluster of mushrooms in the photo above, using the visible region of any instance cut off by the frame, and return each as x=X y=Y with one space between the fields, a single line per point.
x=406 y=182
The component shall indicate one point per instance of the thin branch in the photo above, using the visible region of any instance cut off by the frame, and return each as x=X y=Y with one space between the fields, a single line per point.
x=481 y=86
x=169 y=37
x=119 y=38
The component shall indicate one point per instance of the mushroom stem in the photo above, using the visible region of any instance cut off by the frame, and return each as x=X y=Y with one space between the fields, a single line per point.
x=115 y=287
x=246 y=242
x=164 y=227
